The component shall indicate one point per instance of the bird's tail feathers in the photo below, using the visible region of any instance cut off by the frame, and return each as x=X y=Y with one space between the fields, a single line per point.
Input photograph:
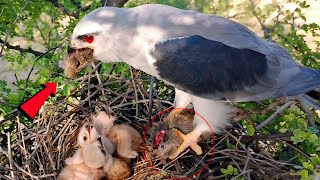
x=307 y=80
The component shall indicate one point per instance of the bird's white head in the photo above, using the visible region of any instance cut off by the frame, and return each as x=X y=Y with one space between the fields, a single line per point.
x=94 y=32
x=87 y=135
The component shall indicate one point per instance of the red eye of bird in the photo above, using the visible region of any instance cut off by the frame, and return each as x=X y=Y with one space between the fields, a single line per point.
x=89 y=39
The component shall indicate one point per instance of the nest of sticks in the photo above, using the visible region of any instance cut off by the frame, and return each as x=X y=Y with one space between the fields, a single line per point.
x=37 y=150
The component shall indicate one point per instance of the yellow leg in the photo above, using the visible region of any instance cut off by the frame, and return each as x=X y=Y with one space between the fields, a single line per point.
x=189 y=140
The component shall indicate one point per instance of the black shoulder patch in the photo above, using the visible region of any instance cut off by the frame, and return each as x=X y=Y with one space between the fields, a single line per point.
x=202 y=67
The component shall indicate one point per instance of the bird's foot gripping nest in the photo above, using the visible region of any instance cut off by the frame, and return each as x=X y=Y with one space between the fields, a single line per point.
x=175 y=134
x=189 y=140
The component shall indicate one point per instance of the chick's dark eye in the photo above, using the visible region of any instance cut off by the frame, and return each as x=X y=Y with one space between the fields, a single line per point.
x=162 y=147
x=89 y=39
x=84 y=138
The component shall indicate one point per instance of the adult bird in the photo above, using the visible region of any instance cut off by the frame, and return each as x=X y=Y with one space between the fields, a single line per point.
x=210 y=60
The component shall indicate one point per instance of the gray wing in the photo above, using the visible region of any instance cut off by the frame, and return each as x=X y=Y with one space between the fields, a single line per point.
x=213 y=70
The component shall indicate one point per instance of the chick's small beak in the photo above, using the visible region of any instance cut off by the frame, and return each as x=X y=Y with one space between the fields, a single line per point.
x=89 y=128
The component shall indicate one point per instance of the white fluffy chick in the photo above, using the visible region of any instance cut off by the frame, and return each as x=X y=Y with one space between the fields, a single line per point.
x=95 y=150
x=80 y=172
x=125 y=138
x=103 y=122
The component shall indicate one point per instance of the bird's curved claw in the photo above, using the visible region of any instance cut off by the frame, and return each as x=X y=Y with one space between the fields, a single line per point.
x=189 y=140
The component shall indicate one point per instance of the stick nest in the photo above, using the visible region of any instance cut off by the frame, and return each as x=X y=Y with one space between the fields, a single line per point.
x=37 y=150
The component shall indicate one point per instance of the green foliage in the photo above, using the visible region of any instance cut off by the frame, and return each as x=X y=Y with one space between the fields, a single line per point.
x=230 y=172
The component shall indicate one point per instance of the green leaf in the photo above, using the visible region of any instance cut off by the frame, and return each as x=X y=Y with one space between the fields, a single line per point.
x=315 y=161
x=230 y=168
x=251 y=130
x=304 y=174
x=307 y=165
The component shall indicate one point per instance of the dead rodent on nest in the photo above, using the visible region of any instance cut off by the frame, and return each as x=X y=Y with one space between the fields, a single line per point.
x=167 y=135
x=76 y=60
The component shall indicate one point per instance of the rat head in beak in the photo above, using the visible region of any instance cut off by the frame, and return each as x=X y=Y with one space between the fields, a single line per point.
x=76 y=60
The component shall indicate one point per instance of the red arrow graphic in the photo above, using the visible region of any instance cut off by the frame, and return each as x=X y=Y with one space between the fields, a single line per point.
x=31 y=107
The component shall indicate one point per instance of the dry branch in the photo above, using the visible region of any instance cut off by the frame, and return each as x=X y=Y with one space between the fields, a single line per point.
x=64 y=10
x=18 y=48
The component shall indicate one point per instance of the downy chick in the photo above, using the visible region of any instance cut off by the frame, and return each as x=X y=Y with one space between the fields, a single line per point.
x=95 y=150
x=81 y=172
x=125 y=138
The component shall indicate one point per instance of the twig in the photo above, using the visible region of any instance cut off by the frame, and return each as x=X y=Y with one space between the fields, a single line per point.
x=98 y=76
x=49 y=155
x=246 y=166
x=22 y=170
x=63 y=129
x=265 y=137
x=9 y=154
x=243 y=147
x=1 y=11
x=7 y=104
x=235 y=15
x=151 y=97
x=274 y=115
x=211 y=150
x=18 y=48
x=64 y=10
x=115 y=3
x=135 y=90
x=141 y=101
x=77 y=3
x=12 y=26
x=242 y=173
x=295 y=148
x=23 y=141
x=309 y=113
x=266 y=30
x=88 y=93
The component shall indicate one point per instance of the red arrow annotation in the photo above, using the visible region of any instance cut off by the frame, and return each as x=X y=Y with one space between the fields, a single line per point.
x=32 y=106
